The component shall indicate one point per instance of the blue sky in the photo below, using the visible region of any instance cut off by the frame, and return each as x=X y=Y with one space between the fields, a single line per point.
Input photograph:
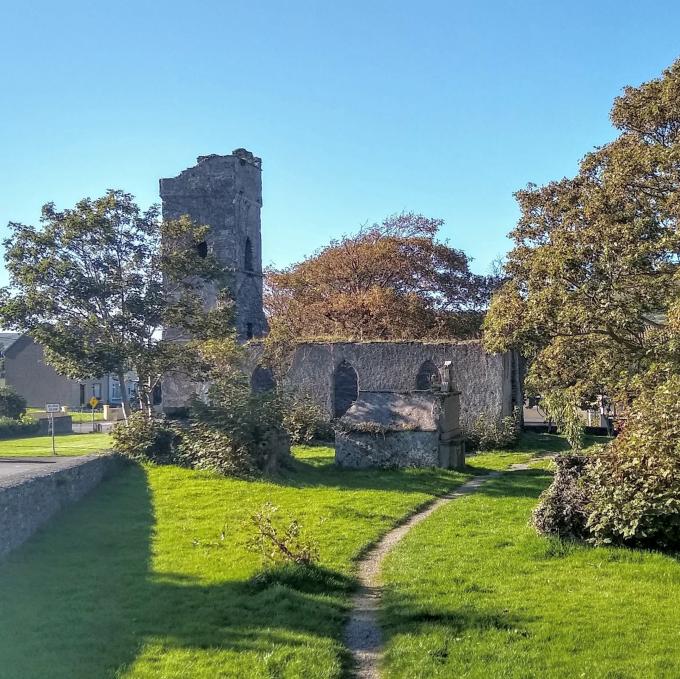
x=358 y=109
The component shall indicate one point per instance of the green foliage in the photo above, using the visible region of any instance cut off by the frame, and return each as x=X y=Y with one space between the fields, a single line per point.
x=563 y=507
x=11 y=427
x=562 y=410
x=96 y=284
x=145 y=439
x=12 y=405
x=487 y=433
x=593 y=275
x=634 y=485
x=627 y=493
x=280 y=542
x=305 y=421
x=236 y=431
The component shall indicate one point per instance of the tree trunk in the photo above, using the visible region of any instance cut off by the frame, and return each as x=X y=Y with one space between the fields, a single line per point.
x=124 y=399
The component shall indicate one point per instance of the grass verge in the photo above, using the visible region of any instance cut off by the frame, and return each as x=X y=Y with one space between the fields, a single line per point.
x=66 y=444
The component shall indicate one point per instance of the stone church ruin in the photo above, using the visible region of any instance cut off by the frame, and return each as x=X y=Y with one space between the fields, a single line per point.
x=225 y=193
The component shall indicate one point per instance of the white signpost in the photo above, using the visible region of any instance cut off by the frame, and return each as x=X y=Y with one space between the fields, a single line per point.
x=52 y=408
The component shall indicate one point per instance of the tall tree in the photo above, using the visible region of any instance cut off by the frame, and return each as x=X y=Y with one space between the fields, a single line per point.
x=97 y=285
x=392 y=280
x=594 y=281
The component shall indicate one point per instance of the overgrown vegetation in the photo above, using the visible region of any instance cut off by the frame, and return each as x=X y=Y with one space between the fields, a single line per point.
x=487 y=433
x=627 y=493
x=12 y=405
x=305 y=421
x=280 y=541
x=146 y=439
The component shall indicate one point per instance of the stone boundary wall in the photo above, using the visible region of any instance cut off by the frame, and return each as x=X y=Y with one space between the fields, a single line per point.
x=28 y=500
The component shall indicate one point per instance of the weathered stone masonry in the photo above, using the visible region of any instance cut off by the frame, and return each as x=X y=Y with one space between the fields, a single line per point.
x=225 y=192
x=484 y=380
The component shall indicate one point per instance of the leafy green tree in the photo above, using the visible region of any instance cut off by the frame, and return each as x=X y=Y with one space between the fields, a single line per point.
x=593 y=275
x=108 y=288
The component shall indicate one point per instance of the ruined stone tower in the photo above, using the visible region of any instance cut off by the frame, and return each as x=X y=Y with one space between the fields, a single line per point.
x=225 y=193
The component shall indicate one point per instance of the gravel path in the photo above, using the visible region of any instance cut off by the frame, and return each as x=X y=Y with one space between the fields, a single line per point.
x=363 y=637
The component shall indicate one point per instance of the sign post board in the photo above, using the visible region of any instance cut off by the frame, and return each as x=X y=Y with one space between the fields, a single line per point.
x=94 y=402
x=52 y=408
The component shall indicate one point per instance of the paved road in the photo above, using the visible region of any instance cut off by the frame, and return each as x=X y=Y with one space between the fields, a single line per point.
x=11 y=467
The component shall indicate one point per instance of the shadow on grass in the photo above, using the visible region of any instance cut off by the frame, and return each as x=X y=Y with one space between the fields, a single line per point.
x=322 y=472
x=81 y=598
x=402 y=615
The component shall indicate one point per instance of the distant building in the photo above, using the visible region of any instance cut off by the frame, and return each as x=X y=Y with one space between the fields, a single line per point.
x=27 y=372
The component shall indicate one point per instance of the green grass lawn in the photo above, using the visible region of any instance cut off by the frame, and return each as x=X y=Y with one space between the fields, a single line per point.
x=66 y=444
x=475 y=592
x=137 y=581
x=85 y=416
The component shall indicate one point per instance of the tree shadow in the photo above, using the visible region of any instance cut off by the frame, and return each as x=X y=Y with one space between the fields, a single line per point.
x=404 y=615
x=81 y=598
x=529 y=483
x=322 y=472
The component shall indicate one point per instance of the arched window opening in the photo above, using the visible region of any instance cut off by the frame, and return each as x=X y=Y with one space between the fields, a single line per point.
x=345 y=388
x=428 y=377
x=202 y=249
x=262 y=380
x=248 y=256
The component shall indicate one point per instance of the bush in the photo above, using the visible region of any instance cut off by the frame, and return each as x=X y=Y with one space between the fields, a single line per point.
x=11 y=428
x=146 y=439
x=305 y=421
x=627 y=493
x=280 y=542
x=563 y=507
x=236 y=431
x=634 y=485
x=12 y=405
x=487 y=433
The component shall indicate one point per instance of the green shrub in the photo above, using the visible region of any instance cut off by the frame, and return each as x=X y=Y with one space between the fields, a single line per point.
x=280 y=542
x=146 y=439
x=487 y=433
x=634 y=485
x=305 y=421
x=563 y=507
x=626 y=493
x=12 y=405
x=236 y=431
x=11 y=428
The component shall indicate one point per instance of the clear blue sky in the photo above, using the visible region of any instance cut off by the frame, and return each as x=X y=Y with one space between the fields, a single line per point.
x=358 y=109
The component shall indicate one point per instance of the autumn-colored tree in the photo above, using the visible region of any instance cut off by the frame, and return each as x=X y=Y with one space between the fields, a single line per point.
x=593 y=275
x=392 y=280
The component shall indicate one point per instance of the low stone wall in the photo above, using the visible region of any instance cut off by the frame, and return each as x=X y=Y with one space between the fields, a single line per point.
x=30 y=498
